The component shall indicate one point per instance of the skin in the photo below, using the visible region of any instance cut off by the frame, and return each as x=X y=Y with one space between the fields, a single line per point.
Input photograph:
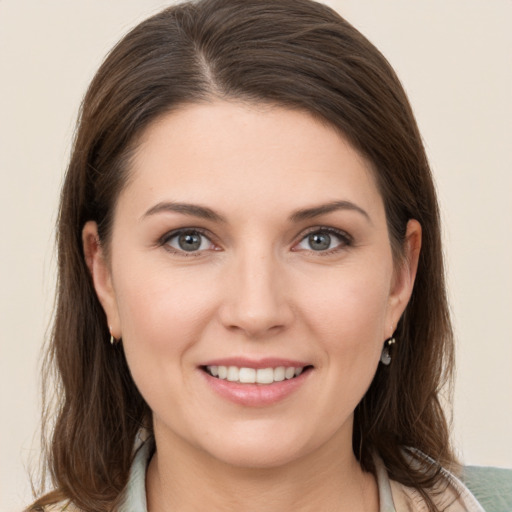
x=255 y=288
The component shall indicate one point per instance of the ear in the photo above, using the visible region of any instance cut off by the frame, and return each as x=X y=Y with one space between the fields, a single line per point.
x=101 y=276
x=405 y=274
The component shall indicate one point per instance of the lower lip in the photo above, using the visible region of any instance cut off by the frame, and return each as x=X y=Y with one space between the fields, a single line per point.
x=255 y=395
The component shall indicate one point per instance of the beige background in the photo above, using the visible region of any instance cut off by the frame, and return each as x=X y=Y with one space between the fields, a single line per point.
x=454 y=58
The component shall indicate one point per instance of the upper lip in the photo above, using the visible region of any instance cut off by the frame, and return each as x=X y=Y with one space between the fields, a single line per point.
x=267 y=362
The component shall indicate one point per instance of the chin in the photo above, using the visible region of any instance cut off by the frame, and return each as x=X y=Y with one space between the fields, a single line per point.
x=255 y=456
x=261 y=448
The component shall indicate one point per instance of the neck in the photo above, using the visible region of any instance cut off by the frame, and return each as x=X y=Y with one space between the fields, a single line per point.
x=181 y=477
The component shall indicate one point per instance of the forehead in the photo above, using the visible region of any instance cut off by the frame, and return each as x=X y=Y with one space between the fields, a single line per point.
x=251 y=155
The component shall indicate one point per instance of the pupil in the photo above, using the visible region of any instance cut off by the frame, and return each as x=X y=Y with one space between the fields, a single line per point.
x=190 y=241
x=319 y=242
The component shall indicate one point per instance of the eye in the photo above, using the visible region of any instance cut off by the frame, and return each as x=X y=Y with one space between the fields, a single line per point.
x=323 y=240
x=189 y=241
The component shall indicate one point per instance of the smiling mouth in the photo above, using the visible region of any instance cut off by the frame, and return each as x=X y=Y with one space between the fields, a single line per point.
x=244 y=375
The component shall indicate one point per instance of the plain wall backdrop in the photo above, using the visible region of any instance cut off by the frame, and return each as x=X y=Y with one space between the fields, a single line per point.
x=454 y=59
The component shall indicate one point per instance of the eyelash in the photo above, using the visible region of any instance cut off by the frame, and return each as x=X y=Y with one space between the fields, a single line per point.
x=345 y=238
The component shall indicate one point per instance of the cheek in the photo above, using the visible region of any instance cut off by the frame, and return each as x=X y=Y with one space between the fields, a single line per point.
x=162 y=302
x=349 y=320
x=350 y=308
x=162 y=317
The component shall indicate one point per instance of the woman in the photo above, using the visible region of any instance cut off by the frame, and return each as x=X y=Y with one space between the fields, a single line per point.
x=249 y=218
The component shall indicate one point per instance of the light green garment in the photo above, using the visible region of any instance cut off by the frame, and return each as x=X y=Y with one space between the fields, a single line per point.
x=491 y=486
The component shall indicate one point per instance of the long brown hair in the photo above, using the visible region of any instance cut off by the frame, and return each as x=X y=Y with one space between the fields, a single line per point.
x=294 y=53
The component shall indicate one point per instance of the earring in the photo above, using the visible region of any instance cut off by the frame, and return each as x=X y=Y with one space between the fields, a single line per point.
x=113 y=341
x=385 y=357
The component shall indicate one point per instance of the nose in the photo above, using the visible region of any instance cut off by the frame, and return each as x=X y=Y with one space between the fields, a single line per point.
x=255 y=301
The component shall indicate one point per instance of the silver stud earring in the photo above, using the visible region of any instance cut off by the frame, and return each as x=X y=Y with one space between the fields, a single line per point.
x=385 y=357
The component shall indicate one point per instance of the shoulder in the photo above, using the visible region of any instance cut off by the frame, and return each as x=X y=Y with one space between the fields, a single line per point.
x=452 y=495
x=449 y=494
x=446 y=497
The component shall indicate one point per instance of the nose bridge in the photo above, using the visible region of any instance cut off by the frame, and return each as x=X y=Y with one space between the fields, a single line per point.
x=255 y=298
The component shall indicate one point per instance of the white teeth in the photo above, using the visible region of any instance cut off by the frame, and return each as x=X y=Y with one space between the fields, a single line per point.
x=233 y=374
x=279 y=373
x=289 y=372
x=252 y=376
x=247 y=375
x=265 y=376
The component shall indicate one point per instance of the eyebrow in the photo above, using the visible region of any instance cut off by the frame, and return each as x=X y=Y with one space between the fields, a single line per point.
x=194 y=210
x=203 y=212
x=323 y=209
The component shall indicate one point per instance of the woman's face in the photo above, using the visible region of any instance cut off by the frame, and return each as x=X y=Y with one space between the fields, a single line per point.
x=249 y=245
